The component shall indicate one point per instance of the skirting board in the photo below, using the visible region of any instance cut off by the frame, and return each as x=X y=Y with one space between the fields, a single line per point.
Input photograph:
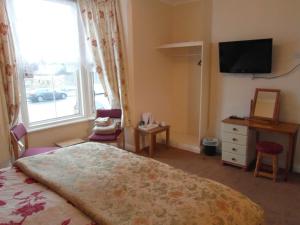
x=186 y=147
x=130 y=147
x=191 y=148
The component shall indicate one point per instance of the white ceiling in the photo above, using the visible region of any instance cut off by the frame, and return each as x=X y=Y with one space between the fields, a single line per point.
x=178 y=2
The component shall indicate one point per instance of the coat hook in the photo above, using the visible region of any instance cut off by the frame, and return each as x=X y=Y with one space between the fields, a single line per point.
x=200 y=63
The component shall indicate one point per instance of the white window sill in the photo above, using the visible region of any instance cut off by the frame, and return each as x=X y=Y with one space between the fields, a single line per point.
x=41 y=127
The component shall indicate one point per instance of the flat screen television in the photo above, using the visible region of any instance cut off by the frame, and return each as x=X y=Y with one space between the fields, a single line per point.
x=251 y=56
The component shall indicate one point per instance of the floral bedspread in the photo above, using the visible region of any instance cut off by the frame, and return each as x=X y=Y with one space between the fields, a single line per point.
x=116 y=187
x=23 y=201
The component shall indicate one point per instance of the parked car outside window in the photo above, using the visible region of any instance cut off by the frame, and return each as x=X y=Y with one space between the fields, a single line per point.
x=46 y=94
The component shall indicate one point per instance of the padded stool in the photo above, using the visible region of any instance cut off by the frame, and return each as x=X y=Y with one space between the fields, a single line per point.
x=268 y=149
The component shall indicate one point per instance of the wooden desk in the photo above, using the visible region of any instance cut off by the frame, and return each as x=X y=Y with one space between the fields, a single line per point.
x=152 y=134
x=289 y=129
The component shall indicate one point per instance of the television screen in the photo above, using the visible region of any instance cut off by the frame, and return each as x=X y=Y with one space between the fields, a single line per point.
x=251 y=56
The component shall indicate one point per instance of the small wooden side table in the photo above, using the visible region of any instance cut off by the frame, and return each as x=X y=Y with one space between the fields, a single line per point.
x=152 y=134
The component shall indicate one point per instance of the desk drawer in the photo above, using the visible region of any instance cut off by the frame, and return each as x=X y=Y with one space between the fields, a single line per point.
x=236 y=129
x=235 y=138
x=234 y=148
x=234 y=158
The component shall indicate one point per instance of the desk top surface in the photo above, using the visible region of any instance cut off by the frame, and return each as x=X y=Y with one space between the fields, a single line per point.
x=281 y=127
x=154 y=130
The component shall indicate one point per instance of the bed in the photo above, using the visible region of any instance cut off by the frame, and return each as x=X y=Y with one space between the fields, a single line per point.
x=93 y=183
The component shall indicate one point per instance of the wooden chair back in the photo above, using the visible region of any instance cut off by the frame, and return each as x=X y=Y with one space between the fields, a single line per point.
x=17 y=134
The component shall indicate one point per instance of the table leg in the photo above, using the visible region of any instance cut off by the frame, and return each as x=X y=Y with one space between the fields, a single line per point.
x=293 y=151
x=289 y=154
x=167 y=137
x=257 y=137
x=137 y=140
x=152 y=144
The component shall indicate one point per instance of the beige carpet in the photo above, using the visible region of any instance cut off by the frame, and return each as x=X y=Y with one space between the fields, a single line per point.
x=281 y=200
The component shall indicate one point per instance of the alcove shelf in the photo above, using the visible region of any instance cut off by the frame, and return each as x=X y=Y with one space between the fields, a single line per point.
x=181 y=45
x=186 y=88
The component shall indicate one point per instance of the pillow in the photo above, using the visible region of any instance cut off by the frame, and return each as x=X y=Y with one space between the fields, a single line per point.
x=103 y=121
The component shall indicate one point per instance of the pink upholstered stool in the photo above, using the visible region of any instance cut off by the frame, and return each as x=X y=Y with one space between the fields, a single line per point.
x=268 y=149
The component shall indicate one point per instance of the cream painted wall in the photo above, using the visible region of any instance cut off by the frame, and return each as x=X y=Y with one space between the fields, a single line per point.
x=190 y=22
x=185 y=77
x=151 y=27
x=185 y=74
x=146 y=25
x=50 y=136
x=168 y=87
x=243 y=19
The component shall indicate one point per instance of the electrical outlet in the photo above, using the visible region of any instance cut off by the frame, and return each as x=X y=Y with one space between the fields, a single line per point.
x=297 y=55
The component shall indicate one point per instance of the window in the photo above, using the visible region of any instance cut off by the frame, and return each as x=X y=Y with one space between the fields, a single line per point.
x=101 y=101
x=49 y=41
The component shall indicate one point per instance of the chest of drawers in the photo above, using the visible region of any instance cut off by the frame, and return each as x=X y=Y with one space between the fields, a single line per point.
x=237 y=145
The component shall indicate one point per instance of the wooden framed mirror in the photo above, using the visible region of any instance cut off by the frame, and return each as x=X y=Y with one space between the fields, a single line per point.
x=266 y=104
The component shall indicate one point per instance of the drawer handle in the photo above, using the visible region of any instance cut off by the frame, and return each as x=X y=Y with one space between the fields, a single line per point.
x=234 y=129
x=233 y=159
x=234 y=149
x=234 y=139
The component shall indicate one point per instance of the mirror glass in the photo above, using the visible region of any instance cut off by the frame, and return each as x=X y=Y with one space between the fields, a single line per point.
x=265 y=104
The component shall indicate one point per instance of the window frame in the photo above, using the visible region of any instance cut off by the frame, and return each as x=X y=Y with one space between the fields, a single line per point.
x=86 y=101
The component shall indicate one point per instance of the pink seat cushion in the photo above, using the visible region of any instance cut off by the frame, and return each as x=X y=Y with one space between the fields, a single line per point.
x=104 y=137
x=269 y=147
x=37 y=150
x=112 y=113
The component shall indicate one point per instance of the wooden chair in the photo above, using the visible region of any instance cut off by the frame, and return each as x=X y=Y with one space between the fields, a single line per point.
x=20 y=149
x=117 y=137
x=267 y=149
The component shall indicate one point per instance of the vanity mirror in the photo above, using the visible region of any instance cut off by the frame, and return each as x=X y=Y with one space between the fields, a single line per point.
x=266 y=104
